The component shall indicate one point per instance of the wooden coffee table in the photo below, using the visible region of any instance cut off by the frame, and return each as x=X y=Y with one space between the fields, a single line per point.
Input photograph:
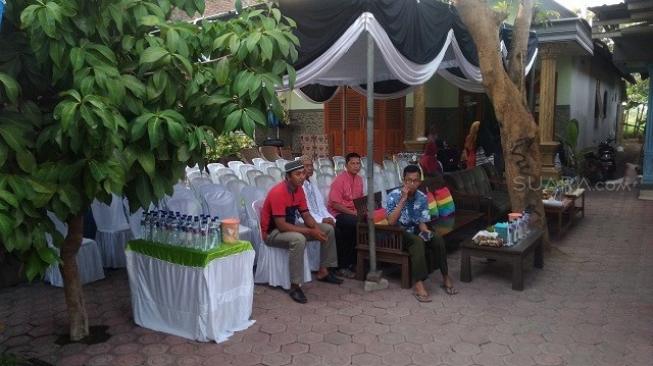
x=566 y=214
x=514 y=255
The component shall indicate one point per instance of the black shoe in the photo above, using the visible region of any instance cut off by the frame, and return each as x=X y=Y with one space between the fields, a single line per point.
x=297 y=295
x=331 y=278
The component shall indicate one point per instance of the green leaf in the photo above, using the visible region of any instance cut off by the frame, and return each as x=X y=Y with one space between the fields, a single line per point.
x=233 y=120
x=292 y=76
x=66 y=113
x=257 y=116
x=6 y=226
x=97 y=170
x=77 y=58
x=139 y=126
x=57 y=53
x=222 y=71
x=252 y=40
x=183 y=154
x=248 y=124
x=4 y=154
x=13 y=137
x=172 y=40
x=176 y=132
x=33 y=266
x=239 y=6
x=187 y=67
x=9 y=198
x=70 y=197
x=134 y=85
x=128 y=42
x=11 y=87
x=152 y=55
x=154 y=131
x=48 y=255
x=266 y=48
x=146 y=160
x=26 y=160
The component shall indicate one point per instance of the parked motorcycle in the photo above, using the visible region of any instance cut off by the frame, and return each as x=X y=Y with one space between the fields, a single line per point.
x=607 y=158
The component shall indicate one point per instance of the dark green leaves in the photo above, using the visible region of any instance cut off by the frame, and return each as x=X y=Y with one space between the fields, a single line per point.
x=11 y=87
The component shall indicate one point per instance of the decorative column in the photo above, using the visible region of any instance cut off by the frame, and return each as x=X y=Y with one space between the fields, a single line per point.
x=419 y=120
x=546 y=121
x=647 y=163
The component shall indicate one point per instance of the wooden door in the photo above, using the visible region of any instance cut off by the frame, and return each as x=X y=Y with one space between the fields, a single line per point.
x=345 y=118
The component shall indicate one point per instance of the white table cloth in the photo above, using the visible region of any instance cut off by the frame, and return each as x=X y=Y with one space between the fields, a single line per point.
x=199 y=303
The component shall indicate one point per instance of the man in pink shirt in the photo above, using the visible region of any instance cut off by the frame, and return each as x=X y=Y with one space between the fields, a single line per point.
x=347 y=186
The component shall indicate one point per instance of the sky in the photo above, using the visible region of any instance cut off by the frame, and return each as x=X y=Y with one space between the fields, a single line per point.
x=573 y=4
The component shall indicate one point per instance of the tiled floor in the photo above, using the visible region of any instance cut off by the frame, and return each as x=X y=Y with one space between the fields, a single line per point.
x=592 y=304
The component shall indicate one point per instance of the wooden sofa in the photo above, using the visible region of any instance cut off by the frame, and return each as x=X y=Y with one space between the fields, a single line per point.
x=389 y=238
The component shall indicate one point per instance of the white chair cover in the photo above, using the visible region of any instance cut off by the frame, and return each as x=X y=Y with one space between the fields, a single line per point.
x=391 y=179
x=257 y=162
x=251 y=176
x=243 y=169
x=113 y=231
x=221 y=203
x=224 y=179
x=200 y=181
x=190 y=169
x=195 y=174
x=338 y=158
x=186 y=206
x=272 y=266
x=214 y=167
x=325 y=180
x=276 y=173
x=198 y=303
x=281 y=163
x=324 y=162
x=251 y=194
x=265 y=165
x=224 y=171
x=265 y=182
x=89 y=258
x=235 y=166
x=327 y=169
x=236 y=187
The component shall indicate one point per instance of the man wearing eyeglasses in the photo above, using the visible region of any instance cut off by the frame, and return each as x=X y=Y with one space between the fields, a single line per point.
x=408 y=208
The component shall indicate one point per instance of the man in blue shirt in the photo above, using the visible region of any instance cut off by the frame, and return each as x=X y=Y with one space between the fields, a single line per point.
x=408 y=208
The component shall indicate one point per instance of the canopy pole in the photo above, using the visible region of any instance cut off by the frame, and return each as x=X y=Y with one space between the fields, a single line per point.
x=374 y=280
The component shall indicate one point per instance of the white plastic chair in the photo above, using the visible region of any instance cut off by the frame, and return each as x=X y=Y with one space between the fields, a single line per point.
x=401 y=165
x=224 y=179
x=276 y=173
x=113 y=231
x=251 y=176
x=224 y=171
x=89 y=259
x=264 y=182
x=257 y=162
x=338 y=159
x=281 y=163
x=325 y=180
x=321 y=162
x=235 y=166
x=391 y=179
x=272 y=265
x=214 y=167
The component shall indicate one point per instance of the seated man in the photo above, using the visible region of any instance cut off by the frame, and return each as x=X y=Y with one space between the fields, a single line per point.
x=316 y=205
x=283 y=204
x=408 y=207
x=347 y=186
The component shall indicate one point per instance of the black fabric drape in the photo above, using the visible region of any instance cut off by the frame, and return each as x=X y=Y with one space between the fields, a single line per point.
x=319 y=93
x=418 y=30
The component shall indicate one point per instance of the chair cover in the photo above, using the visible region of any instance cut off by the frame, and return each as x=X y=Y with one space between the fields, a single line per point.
x=281 y=163
x=235 y=166
x=265 y=182
x=224 y=171
x=250 y=195
x=265 y=165
x=220 y=202
x=185 y=206
x=337 y=159
x=324 y=162
x=327 y=169
x=251 y=176
x=325 y=180
x=200 y=181
x=257 y=162
x=276 y=173
x=214 y=167
x=224 y=179
x=243 y=169
x=236 y=187
x=272 y=266
x=195 y=174
x=89 y=258
x=113 y=231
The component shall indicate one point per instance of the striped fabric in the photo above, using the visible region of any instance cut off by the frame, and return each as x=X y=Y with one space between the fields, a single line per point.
x=445 y=202
x=380 y=217
x=433 y=206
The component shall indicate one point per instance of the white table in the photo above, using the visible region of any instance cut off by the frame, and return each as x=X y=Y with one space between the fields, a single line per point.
x=203 y=302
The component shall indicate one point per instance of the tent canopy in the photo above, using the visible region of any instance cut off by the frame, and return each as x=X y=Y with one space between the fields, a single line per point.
x=414 y=39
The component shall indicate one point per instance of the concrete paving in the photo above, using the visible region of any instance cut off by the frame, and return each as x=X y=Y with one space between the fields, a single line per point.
x=592 y=304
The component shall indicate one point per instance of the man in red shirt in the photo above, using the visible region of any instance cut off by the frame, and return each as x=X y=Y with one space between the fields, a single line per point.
x=283 y=205
x=347 y=186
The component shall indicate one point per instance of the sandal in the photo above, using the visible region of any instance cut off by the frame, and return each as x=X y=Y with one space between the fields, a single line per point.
x=450 y=290
x=422 y=298
x=345 y=273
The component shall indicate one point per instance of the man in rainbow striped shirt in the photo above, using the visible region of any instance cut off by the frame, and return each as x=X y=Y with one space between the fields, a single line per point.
x=408 y=208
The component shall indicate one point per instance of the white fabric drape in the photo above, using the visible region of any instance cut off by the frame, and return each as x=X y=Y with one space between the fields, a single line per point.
x=344 y=63
x=203 y=304
x=89 y=265
x=272 y=267
x=113 y=231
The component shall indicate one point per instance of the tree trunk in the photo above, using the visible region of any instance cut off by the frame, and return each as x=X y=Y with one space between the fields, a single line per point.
x=519 y=132
x=72 y=285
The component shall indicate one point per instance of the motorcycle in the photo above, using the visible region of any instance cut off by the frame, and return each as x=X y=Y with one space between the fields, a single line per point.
x=607 y=158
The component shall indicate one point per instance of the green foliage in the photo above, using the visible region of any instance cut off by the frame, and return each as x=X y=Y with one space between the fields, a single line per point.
x=638 y=92
x=111 y=96
x=228 y=143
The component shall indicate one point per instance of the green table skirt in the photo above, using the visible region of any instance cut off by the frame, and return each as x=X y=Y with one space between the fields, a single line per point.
x=186 y=256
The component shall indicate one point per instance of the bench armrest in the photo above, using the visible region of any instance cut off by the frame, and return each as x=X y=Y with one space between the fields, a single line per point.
x=388 y=237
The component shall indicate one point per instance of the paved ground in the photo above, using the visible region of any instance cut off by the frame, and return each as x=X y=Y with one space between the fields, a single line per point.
x=592 y=304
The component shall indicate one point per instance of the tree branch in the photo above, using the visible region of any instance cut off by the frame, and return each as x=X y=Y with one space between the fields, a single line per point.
x=518 y=52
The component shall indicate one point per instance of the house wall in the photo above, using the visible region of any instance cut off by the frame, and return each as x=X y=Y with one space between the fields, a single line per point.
x=586 y=73
x=442 y=108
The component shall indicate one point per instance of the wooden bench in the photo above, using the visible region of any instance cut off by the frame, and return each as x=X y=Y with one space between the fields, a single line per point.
x=514 y=255
x=389 y=238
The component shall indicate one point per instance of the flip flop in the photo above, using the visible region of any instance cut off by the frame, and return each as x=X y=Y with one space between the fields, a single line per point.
x=422 y=298
x=449 y=290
